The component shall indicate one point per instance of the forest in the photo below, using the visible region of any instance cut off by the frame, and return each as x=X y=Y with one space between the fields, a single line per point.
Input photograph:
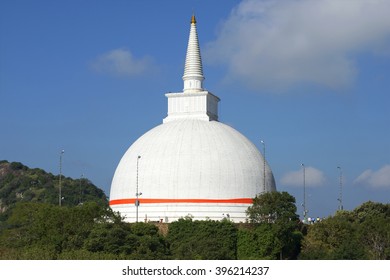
x=34 y=226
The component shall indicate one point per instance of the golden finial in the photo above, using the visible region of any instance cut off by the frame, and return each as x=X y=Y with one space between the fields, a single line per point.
x=193 y=20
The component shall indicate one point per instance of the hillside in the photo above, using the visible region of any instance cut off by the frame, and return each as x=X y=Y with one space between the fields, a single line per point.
x=19 y=183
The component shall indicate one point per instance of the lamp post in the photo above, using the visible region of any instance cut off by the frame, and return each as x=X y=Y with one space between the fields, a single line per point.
x=340 y=199
x=262 y=142
x=80 y=190
x=60 y=194
x=137 y=194
x=304 y=193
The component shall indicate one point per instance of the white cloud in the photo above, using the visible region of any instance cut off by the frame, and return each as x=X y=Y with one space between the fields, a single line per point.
x=375 y=179
x=121 y=62
x=313 y=178
x=276 y=44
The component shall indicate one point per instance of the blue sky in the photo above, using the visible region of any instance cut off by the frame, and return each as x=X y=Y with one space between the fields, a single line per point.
x=310 y=78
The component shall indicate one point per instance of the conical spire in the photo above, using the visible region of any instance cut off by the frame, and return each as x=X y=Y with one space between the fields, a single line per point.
x=193 y=71
x=194 y=102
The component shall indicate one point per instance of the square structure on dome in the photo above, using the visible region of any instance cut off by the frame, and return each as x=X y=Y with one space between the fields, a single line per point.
x=201 y=105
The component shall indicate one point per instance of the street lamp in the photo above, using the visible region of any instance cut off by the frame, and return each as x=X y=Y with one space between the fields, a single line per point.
x=80 y=190
x=262 y=142
x=60 y=194
x=340 y=199
x=304 y=193
x=137 y=194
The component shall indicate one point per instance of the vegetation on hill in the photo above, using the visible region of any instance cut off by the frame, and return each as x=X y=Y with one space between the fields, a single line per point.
x=35 y=227
x=18 y=183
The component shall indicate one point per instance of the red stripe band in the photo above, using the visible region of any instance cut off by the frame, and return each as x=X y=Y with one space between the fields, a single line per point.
x=180 y=200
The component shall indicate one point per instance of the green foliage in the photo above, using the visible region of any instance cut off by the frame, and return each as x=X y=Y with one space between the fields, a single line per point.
x=83 y=254
x=111 y=238
x=370 y=210
x=257 y=243
x=330 y=239
x=28 y=253
x=374 y=229
x=273 y=207
x=268 y=241
x=363 y=233
x=133 y=241
x=18 y=183
x=274 y=234
x=44 y=225
x=89 y=231
x=17 y=166
x=35 y=227
x=204 y=240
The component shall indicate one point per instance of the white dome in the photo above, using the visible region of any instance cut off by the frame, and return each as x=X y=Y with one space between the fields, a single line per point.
x=205 y=169
x=191 y=164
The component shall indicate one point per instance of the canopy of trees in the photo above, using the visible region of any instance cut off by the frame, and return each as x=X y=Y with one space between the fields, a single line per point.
x=33 y=226
x=363 y=233
x=88 y=231
x=274 y=231
x=203 y=240
x=92 y=231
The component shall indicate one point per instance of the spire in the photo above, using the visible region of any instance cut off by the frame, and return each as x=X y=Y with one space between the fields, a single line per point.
x=193 y=71
x=194 y=102
x=193 y=19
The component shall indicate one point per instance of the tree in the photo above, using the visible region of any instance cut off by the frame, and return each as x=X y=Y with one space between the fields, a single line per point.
x=204 y=240
x=333 y=238
x=127 y=241
x=273 y=207
x=370 y=209
x=374 y=228
x=374 y=234
x=275 y=232
x=257 y=243
x=363 y=233
x=45 y=231
x=38 y=230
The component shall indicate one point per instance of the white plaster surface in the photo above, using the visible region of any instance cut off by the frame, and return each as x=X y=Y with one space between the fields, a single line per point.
x=190 y=159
